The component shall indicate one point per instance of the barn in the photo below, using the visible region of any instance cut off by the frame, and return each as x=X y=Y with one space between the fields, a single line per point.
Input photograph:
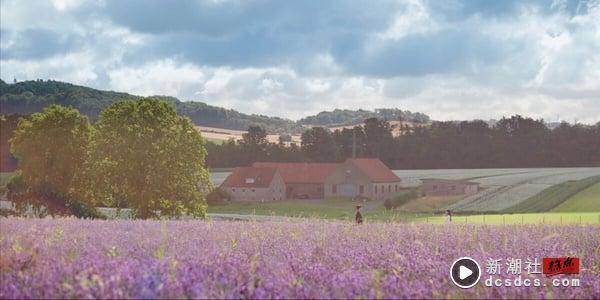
x=302 y=180
x=254 y=184
x=362 y=177
x=357 y=177
x=443 y=187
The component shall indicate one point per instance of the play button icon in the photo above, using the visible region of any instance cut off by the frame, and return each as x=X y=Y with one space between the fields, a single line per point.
x=465 y=272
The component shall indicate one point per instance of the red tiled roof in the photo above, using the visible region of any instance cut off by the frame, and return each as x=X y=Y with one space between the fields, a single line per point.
x=301 y=172
x=262 y=177
x=375 y=169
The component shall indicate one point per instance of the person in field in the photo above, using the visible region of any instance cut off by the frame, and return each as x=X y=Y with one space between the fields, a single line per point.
x=448 y=216
x=358 y=215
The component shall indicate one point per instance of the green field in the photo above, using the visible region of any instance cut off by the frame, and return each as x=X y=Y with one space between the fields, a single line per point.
x=584 y=201
x=554 y=196
x=334 y=208
x=508 y=219
x=343 y=209
x=373 y=211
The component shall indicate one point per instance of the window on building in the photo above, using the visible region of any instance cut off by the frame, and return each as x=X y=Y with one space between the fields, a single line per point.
x=453 y=187
x=395 y=187
x=375 y=189
x=233 y=190
x=243 y=190
x=361 y=189
x=434 y=187
x=253 y=190
x=334 y=188
x=389 y=188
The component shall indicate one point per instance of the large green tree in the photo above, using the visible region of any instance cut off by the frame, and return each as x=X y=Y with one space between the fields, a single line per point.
x=51 y=147
x=319 y=146
x=254 y=145
x=146 y=157
x=379 y=140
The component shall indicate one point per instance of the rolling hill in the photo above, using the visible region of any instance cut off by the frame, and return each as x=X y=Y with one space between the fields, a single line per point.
x=27 y=97
x=32 y=96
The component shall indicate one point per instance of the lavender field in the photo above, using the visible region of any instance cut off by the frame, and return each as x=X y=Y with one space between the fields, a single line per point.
x=70 y=258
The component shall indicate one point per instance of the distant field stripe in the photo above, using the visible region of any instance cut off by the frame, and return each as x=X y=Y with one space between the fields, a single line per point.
x=496 y=175
x=584 y=201
x=517 y=219
x=553 y=196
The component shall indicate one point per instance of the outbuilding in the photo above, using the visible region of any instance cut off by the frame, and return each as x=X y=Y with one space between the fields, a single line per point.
x=445 y=187
x=362 y=177
x=254 y=184
x=302 y=180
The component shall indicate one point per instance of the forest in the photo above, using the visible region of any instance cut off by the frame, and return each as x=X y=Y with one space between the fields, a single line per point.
x=513 y=142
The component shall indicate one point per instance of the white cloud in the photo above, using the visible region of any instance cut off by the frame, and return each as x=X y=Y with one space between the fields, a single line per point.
x=62 y=5
x=77 y=68
x=413 y=19
x=164 y=77
x=549 y=64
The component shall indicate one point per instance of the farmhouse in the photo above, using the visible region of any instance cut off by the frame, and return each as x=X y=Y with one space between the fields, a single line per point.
x=362 y=177
x=254 y=184
x=445 y=187
x=302 y=180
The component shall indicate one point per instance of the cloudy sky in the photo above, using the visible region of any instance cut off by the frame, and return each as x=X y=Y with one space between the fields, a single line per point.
x=450 y=59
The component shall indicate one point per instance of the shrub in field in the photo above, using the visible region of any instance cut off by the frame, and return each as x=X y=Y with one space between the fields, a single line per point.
x=401 y=199
x=388 y=204
x=217 y=196
x=70 y=258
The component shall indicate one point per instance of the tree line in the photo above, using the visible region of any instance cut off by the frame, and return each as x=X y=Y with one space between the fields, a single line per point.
x=139 y=154
x=512 y=142
x=352 y=117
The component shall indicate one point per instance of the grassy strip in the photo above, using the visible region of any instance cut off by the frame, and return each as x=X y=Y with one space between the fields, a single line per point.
x=333 y=208
x=553 y=196
x=213 y=140
x=518 y=219
x=584 y=201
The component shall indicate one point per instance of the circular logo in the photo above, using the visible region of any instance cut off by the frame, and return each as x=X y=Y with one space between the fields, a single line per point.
x=465 y=272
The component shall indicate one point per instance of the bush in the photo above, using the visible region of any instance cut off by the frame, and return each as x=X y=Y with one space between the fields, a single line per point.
x=388 y=204
x=82 y=210
x=401 y=199
x=217 y=196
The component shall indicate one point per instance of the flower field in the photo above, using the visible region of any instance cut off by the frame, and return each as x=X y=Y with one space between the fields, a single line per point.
x=70 y=258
